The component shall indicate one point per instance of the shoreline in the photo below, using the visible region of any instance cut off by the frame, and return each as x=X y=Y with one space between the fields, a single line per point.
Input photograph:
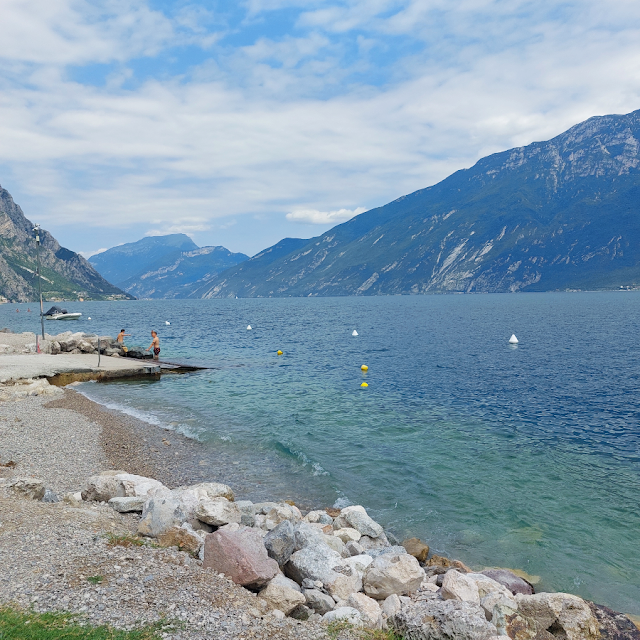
x=149 y=450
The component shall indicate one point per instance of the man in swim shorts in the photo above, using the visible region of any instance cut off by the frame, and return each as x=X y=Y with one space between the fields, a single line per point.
x=155 y=345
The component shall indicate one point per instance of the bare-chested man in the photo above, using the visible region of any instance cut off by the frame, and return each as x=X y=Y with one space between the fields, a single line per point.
x=121 y=336
x=155 y=345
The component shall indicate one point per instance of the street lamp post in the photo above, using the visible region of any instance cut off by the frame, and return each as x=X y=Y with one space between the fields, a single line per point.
x=36 y=230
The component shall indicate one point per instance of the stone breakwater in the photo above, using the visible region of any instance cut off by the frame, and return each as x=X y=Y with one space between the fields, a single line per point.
x=67 y=342
x=339 y=564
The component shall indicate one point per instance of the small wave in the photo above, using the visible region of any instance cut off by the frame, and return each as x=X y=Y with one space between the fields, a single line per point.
x=143 y=416
x=341 y=503
x=316 y=467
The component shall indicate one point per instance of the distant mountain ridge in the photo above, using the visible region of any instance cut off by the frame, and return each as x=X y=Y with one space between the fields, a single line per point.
x=555 y=215
x=64 y=274
x=121 y=263
x=170 y=266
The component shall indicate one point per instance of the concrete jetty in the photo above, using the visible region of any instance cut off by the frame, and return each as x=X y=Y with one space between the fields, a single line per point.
x=64 y=368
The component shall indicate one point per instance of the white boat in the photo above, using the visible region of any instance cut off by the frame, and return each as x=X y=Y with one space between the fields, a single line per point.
x=56 y=313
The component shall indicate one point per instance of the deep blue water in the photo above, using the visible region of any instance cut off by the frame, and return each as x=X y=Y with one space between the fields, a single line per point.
x=525 y=457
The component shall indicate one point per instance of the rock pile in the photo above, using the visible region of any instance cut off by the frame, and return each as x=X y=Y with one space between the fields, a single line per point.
x=339 y=565
x=69 y=342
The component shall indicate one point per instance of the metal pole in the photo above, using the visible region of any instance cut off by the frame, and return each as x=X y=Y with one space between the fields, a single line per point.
x=37 y=232
x=98 y=350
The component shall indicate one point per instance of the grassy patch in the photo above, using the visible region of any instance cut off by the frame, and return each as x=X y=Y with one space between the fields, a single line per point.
x=95 y=579
x=124 y=540
x=27 y=625
x=335 y=629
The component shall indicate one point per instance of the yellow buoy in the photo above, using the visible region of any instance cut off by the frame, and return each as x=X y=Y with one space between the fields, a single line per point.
x=279 y=352
x=364 y=367
x=364 y=384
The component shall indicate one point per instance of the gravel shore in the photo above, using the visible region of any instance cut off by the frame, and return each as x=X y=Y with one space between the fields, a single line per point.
x=49 y=550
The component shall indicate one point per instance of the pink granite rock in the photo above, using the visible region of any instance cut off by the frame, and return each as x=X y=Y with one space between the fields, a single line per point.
x=241 y=556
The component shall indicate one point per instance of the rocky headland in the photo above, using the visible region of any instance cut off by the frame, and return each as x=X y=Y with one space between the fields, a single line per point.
x=81 y=531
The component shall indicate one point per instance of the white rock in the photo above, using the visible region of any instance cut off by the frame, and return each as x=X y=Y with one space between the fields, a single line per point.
x=281 y=596
x=320 y=517
x=487 y=585
x=357 y=518
x=319 y=563
x=391 y=605
x=348 y=534
x=387 y=574
x=563 y=611
x=218 y=511
x=161 y=511
x=368 y=608
x=334 y=543
x=128 y=504
x=280 y=513
x=210 y=490
x=349 y=614
x=457 y=586
x=73 y=498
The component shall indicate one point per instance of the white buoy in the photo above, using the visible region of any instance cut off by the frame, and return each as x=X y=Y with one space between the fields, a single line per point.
x=88 y=318
x=167 y=322
x=355 y=333
x=248 y=327
x=513 y=339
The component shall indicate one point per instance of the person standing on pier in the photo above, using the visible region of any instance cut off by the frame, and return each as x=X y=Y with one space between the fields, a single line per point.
x=155 y=345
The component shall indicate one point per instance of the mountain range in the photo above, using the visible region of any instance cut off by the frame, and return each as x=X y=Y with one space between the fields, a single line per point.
x=65 y=275
x=555 y=215
x=170 y=266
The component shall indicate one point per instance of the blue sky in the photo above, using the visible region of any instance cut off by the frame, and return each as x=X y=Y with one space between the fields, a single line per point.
x=244 y=122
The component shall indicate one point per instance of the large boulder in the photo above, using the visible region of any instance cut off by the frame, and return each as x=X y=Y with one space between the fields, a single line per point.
x=280 y=542
x=324 y=564
x=128 y=504
x=356 y=517
x=368 y=608
x=161 y=512
x=418 y=549
x=319 y=517
x=318 y=601
x=442 y=620
x=241 y=556
x=563 y=613
x=307 y=535
x=218 y=511
x=487 y=585
x=369 y=544
x=118 y=484
x=400 y=574
x=185 y=538
x=280 y=513
x=27 y=487
x=613 y=625
x=510 y=580
x=278 y=594
x=457 y=586
x=210 y=490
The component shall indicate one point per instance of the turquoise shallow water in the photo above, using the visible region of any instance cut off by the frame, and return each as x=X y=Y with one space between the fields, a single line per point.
x=525 y=457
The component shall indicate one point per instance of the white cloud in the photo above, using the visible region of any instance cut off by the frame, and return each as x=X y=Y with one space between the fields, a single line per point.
x=261 y=128
x=313 y=216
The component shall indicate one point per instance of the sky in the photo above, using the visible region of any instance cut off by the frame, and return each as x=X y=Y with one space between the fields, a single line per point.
x=242 y=122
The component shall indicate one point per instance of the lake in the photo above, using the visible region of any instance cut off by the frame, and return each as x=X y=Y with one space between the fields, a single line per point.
x=525 y=457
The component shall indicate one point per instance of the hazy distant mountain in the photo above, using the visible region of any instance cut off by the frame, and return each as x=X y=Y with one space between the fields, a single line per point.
x=252 y=270
x=562 y=214
x=177 y=274
x=64 y=274
x=126 y=260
